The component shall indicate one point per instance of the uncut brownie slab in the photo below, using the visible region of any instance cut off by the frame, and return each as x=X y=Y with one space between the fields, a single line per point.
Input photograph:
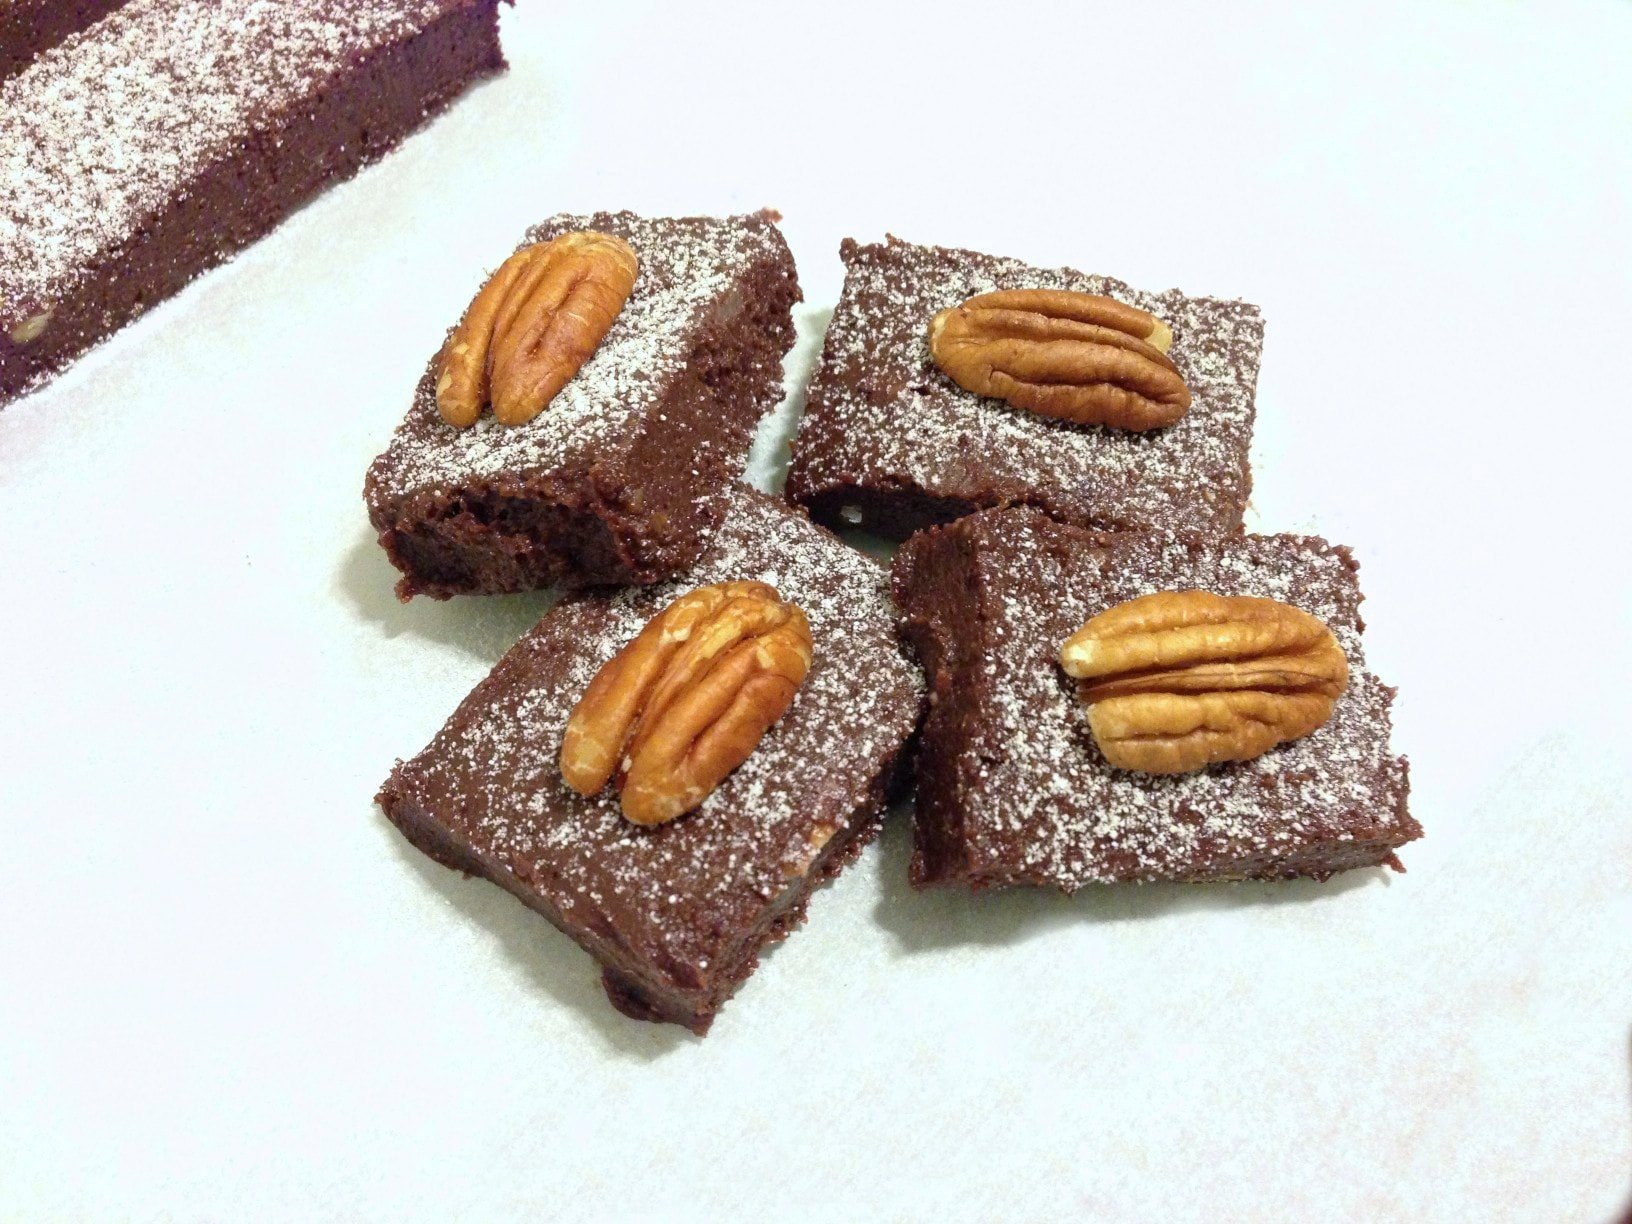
x=622 y=477
x=173 y=133
x=1011 y=786
x=676 y=914
x=28 y=27
x=891 y=443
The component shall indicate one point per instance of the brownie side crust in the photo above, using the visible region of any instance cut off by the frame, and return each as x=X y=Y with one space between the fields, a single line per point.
x=677 y=914
x=31 y=27
x=174 y=133
x=891 y=443
x=622 y=478
x=1012 y=788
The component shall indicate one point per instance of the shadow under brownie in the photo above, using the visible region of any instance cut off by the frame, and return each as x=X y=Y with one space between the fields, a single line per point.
x=892 y=444
x=1012 y=788
x=624 y=474
x=676 y=914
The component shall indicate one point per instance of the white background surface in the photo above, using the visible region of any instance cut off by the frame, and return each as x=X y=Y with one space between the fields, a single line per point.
x=229 y=990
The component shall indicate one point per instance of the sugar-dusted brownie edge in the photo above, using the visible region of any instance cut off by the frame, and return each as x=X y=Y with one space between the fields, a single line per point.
x=293 y=152
x=677 y=916
x=1011 y=789
x=630 y=986
x=28 y=28
x=889 y=443
x=636 y=509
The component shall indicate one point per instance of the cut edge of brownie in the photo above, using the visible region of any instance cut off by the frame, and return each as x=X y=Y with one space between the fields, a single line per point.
x=899 y=508
x=632 y=987
x=582 y=527
x=321 y=139
x=939 y=852
x=949 y=756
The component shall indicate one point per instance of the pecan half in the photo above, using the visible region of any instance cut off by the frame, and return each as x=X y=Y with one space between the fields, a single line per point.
x=686 y=702
x=1182 y=679
x=532 y=326
x=1075 y=356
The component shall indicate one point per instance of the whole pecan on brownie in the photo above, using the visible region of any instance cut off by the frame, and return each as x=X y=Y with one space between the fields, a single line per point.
x=532 y=326
x=1179 y=680
x=1080 y=357
x=686 y=702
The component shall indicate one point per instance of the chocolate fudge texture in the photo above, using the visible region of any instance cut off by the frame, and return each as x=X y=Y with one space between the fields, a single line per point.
x=677 y=913
x=172 y=133
x=624 y=474
x=891 y=443
x=1012 y=788
x=28 y=27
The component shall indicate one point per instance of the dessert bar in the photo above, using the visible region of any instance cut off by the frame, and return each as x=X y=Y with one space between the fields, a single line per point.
x=1013 y=789
x=173 y=133
x=677 y=913
x=891 y=443
x=29 y=27
x=624 y=474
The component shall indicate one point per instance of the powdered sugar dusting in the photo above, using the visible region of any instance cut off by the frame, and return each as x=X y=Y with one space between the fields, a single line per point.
x=882 y=414
x=682 y=891
x=103 y=130
x=688 y=268
x=1033 y=787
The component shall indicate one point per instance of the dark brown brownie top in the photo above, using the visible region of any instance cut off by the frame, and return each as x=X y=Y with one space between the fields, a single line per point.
x=678 y=896
x=692 y=270
x=101 y=131
x=882 y=415
x=1038 y=801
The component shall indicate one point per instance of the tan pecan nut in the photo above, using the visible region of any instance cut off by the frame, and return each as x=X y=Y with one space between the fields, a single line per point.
x=687 y=701
x=532 y=326
x=32 y=328
x=1074 y=356
x=1182 y=679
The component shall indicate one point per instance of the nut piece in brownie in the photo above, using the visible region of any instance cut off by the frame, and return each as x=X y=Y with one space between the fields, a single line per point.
x=624 y=474
x=890 y=442
x=170 y=134
x=677 y=913
x=1012 y=788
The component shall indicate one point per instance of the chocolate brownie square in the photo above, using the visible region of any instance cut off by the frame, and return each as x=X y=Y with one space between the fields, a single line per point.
x=171 y=134
x=1012 y=788
x=624 y=475
x=890 y=443
x=677 y=913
